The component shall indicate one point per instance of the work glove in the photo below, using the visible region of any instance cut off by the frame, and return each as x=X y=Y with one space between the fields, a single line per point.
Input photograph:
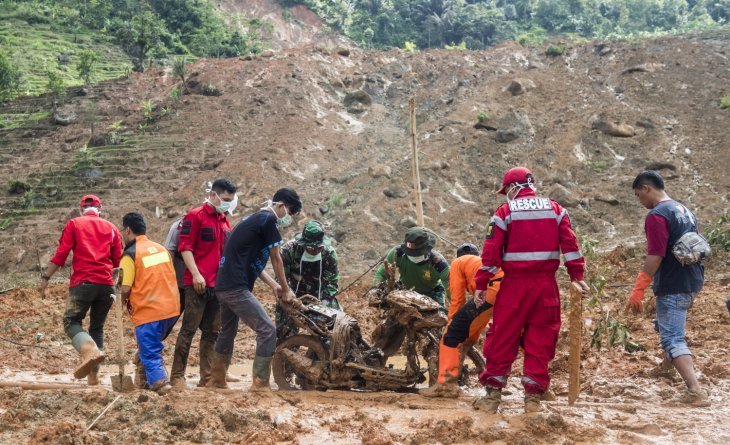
x=643 y=280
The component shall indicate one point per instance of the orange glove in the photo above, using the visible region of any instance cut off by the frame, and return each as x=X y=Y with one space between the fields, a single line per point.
x=643 y=280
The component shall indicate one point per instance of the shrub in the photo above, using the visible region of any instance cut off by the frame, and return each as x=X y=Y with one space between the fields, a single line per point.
x=719 y=234
x=10 y=77
x=409 y=46
x=85 y=65
x=482 y=116
x=555 y=50
x=18 y=187
x=725 y=102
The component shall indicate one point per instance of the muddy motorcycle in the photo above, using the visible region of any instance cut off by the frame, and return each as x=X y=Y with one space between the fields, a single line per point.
x=330 y=352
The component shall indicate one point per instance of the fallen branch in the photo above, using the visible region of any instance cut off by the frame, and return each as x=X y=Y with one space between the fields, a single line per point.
x=41 y=386
x=25 y=345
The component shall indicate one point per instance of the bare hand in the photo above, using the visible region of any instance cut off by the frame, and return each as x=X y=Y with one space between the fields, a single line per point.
x=42 y=287
x=285 y=296
x=199 y=283
x=584 y=288
x=479 y=297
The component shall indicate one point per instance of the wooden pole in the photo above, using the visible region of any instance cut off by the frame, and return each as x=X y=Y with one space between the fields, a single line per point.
x=574 y=335
x=416 y=173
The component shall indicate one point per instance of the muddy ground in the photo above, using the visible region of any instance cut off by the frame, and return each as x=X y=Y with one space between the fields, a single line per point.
x=623 y=399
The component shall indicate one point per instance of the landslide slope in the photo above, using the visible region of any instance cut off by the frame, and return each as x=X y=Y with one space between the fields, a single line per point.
x=335 y=128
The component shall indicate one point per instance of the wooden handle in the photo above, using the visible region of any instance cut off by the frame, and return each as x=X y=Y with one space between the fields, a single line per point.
x=574 y=335
x=120 y=321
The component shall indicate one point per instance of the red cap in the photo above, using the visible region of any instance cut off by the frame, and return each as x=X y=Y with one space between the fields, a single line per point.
x=515 y=174
x=90 y=201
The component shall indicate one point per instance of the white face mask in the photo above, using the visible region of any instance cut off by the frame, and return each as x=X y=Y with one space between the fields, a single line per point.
x=284 y=221
x=418 y=259
x=309 y=258
x=517 y=188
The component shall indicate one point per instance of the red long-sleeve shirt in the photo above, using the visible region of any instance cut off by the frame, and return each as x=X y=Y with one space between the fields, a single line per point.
x=526 y=236
x=204 y=232
x=97 y=248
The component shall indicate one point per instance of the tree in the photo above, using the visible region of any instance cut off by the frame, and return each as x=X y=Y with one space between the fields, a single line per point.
x=140 y=35
x=85 y=65
x=55 y=86
x=10 y=77
x=180 y=69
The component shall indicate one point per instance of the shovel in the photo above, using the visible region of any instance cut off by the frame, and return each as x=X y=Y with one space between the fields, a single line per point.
x=574 y=334
x=120 y=382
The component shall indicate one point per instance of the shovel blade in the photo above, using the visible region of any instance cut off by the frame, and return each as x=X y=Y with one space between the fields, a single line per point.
x=122 y=383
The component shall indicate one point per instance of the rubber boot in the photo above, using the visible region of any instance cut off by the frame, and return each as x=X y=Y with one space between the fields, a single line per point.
x=140 y=376
x=91 y=356
x=162 y=387
x=206 y=361
x=93 y=378
x=532 y=403
x=261 y=374
x=448 y=389
x=230 y=378
x=218 y=370
x=490 y=402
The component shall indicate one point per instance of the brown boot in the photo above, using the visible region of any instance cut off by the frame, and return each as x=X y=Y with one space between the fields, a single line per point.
x=490 y=402
x=218 y=371
x=161 y=387
x=140 y=376
x=93 y=378
x=91 y=356
x=698 y=398
x=448 y=389
x=178 y=383
x=261 y=371
x=532 y=403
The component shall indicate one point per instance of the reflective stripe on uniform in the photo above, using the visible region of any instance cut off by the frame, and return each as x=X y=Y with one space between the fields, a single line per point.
x=499 y=222
x=571 y=256
x=562 y=215
x=530 y=256
x=492 y=270
x=535 y=214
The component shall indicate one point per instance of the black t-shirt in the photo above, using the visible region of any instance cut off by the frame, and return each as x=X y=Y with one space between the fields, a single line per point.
x=247 y=251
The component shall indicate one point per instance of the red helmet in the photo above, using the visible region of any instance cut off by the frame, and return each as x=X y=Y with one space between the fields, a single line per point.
x=515 y=174
x=90 y=201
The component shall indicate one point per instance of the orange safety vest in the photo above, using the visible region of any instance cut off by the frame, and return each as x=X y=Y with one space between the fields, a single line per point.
x=154 y=295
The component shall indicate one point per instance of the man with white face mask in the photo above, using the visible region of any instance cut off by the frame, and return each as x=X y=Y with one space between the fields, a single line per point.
x=203 y=234
x=420 y=268
x=525 y=238
x=310 y=264
x=252 y=242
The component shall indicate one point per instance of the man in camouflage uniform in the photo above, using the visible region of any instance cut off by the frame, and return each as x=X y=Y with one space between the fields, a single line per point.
x=420 y=268
x=310 y=266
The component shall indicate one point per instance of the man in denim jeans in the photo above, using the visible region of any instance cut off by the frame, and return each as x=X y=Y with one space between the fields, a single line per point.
x=674 y=285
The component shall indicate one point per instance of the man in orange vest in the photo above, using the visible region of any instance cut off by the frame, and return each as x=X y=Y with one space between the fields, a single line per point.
x=466 y=320
x=150 y=289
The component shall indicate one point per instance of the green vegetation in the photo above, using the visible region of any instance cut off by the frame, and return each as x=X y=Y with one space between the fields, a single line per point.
x=17 y=187
x=725 y=102
x=125 y=35
x=613 y=333
x=10 y=121
x=482 y=116
x=480 y=23
x=180 y=69
x=555 y=50
x=719 y=235
x=85 y=65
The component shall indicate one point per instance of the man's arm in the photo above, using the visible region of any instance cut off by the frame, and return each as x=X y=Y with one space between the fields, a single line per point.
x=657 y=238
x=116 y=247
x=572 y=257
x=285 y=294
x=65 y=245
x=457 y=288
x=190 y=227
x=494 y=241
x=330 y=273
x=379 y=276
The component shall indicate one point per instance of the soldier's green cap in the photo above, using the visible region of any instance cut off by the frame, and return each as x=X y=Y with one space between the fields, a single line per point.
x=419 y=241
x=312 y=235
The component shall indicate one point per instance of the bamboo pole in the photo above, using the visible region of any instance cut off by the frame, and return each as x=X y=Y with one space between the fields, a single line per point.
x=414 y=162
x=574 y=336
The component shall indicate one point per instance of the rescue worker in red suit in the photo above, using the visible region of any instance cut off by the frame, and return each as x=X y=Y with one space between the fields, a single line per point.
x=524 y=238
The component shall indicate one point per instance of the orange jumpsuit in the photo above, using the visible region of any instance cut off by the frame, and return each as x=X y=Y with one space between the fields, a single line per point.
x=466 y=321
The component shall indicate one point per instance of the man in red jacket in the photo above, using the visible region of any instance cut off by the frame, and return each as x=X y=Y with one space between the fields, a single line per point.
x=525 y=238
x=97 y=248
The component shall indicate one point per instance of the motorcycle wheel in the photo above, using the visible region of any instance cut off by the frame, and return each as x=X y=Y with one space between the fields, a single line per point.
x=473 y=366
x=285 y=375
